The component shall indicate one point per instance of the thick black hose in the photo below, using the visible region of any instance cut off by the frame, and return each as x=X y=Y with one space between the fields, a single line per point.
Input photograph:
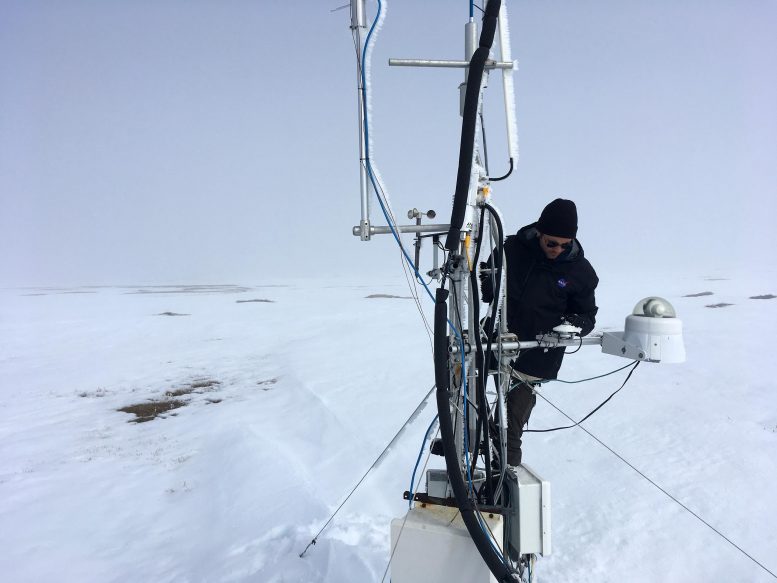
x=466 y=506
x=491 y=557
x=469 y=122
x=441 y=370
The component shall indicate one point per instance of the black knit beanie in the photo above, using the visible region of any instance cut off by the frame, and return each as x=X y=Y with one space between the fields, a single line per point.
x=559 y=219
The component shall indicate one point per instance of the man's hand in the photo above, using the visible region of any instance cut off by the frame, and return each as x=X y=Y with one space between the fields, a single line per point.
x=575 y=320
x=582 y=321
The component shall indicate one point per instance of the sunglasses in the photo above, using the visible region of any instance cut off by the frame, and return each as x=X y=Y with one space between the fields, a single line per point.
x=553 y=244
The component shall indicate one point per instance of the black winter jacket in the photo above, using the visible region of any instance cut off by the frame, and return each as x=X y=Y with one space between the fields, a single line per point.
x=541 y=291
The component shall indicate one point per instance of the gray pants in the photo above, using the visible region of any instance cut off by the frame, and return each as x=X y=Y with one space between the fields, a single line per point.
x=520 y=402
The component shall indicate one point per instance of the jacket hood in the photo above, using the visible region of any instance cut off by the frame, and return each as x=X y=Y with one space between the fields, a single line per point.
x=528 y=236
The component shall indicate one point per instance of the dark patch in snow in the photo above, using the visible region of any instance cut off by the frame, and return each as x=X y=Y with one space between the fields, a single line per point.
x=698 y=295
x=204 y=383
x=171 y=314
x=189 y=289
x=149 y=411
x=763 y=297
x=197 y=386
x=716 y=279
x=152 y=409
x=387 y=296
x=721 y=305
x=93 y=394
x=267 y=383
x=252 y=301
x=179 y=392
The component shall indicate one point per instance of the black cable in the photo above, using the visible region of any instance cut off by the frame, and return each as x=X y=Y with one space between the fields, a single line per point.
x=492 y=557
x=683 y=506
x=578 y=348
x=467 y=507
x=477 y=65
x=481 y=427
x=601 y=376
x=510 y=171
x=485 y=153
x=496 y=263
x=602 y=404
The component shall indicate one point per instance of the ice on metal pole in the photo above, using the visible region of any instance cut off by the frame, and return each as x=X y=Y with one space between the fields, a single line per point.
x=359 y=27
x=507 y=84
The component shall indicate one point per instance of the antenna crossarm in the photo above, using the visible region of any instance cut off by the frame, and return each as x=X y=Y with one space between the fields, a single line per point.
x=447 y=64
x=385 y=230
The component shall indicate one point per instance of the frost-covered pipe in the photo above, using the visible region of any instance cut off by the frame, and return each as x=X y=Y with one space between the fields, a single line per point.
x=507 y=85
x=369 y=167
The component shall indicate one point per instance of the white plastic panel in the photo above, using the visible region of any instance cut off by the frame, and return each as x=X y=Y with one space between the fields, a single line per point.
x=435 y=547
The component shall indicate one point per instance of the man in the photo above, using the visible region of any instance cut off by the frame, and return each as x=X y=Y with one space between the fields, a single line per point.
x=548 y=281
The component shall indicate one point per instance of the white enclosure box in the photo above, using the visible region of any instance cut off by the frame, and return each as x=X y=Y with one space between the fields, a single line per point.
x=530 y=513
x=432 y=545
x=660 y=338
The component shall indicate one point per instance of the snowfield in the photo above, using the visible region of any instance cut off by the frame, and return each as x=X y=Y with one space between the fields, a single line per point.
x=278 y=407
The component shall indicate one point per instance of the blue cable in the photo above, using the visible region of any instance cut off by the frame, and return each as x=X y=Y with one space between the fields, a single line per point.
x=371 y=175
x=370 y=172
x=367 y=157
x=418 y=461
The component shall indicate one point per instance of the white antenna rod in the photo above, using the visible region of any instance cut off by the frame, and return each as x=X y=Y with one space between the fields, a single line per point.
x=507 y=83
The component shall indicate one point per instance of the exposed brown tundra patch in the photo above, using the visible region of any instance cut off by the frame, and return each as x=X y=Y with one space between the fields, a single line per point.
x=149 y=411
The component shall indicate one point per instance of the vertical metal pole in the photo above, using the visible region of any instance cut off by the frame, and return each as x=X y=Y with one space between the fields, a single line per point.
x=358 y=16
x=470 y=44
x=456 y=310
x=436 y=265
x=359 y=28
x=418 y=245
x=473 y=328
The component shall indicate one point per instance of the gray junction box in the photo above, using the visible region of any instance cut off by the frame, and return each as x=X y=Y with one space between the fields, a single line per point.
x=529 y=516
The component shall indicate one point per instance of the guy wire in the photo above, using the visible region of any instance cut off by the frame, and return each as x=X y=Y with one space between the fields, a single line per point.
x=683 y=506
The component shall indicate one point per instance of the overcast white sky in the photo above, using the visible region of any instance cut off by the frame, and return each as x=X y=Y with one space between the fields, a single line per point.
x=216 y=141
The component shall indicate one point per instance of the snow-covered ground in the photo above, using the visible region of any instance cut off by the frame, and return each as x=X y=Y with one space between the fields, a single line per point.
x=286 y=404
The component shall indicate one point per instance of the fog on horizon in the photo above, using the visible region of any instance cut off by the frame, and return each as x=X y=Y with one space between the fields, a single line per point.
x=210 y=142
